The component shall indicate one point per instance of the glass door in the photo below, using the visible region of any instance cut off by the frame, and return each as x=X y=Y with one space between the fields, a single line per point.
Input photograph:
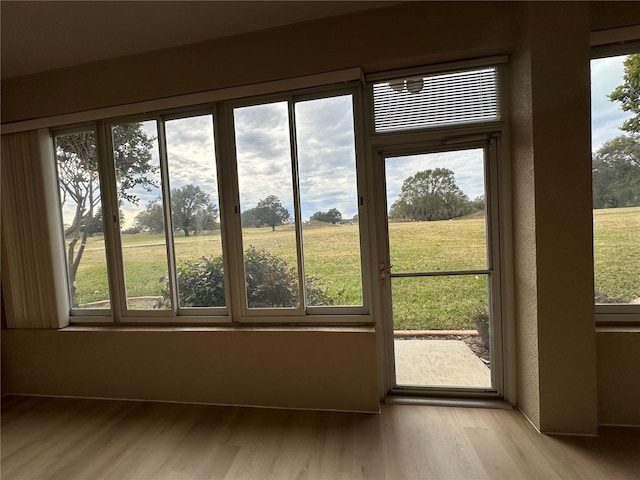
x=441 y=276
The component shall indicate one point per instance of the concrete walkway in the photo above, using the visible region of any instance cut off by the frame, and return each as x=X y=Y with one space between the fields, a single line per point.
x=439 y=363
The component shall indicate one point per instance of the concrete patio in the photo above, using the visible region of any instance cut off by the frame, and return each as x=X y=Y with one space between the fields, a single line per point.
x=439 y=363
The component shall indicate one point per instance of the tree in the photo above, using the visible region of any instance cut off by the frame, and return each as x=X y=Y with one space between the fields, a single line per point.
x=79 y=182
x=191 y=208
x=250 y=218
x=616 y=174
x=151 y=218
x=628 y=94
x=430 y=195
x=332 y=216
x=268 y=212
x=94 y=224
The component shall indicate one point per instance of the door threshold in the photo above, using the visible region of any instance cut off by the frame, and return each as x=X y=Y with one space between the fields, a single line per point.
x=496 y=403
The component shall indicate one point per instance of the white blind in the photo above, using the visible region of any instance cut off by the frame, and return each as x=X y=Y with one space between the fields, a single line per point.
x=435 y=100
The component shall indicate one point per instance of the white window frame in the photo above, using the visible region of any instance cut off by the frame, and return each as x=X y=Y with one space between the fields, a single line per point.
x=611 y=43
x=235 y=311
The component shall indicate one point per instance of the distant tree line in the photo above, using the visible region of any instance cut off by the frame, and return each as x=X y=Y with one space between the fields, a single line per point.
x=332 y=216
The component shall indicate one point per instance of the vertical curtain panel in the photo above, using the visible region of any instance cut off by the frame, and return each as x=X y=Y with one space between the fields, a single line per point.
x=33 y=277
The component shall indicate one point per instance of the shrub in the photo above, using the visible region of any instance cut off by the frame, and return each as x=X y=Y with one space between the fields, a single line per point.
x=131 y=231
x=269 y=280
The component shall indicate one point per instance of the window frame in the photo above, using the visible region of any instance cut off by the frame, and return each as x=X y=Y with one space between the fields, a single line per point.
x=235 y=311
x=624 y=313
x=302 y=312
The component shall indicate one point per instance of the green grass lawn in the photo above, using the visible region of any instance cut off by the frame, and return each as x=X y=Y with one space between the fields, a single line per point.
x=331 y=254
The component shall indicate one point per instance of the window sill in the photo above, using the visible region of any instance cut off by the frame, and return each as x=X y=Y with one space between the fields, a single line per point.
x=219 y=328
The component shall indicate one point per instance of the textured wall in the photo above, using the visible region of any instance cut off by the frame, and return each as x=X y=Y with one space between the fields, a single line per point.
x=266 y=367
x=618 y=376
x=552 y=219
x=524 y=229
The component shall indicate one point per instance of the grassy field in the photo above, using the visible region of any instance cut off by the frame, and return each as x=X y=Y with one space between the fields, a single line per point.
x=331 y=254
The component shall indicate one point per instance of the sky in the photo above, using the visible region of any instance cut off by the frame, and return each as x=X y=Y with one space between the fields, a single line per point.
x=326 y=152
x=606 y=116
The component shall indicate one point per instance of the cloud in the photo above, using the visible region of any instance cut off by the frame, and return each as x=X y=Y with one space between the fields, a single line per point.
x=606 y=116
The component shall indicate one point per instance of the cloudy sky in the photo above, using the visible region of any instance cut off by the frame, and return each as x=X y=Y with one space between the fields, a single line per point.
x=326 y=158
x=606 y=116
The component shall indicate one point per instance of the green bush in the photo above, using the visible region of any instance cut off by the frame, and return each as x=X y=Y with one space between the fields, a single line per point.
x=269 y=280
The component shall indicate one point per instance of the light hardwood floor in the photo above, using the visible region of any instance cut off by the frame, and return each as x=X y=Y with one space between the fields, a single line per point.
x=55 y=438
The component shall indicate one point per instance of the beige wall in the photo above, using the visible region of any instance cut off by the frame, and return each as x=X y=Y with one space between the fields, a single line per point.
x=618 y=376
x=556 y=343
x=310 y=368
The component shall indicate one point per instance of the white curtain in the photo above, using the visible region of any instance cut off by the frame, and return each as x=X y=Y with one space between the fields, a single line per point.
x=33 y=278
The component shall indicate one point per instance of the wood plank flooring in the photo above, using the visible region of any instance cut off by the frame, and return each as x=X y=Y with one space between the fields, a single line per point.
x=67 y=439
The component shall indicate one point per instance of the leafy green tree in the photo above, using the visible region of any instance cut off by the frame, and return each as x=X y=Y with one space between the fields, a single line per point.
x=250 y=218
x=79 y=183
x=332 y=216
x=430 y=195
x=628 y=94
x=616 y=174
x=268 y=212
x=151 y=218
x=191 y=208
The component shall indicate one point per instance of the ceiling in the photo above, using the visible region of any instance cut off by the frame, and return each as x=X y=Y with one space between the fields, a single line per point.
x=43 y=35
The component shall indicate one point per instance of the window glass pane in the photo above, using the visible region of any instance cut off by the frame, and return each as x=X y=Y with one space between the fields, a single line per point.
x=135 y=151
x=263 y=155
x=437 y=211
x=616 y=179
x=195 y=211
x=80 y=204
x=329 y=201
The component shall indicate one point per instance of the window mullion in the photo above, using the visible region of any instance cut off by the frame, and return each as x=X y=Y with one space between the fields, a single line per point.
x=296 y=203
x=111 y=221
x=168 y=220
x=230 y=219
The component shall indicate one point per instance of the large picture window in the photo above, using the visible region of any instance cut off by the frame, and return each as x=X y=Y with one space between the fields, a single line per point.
x=167 y=250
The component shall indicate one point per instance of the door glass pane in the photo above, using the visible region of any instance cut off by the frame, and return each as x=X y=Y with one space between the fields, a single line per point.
x=437 y=223
x=137 y=166
x=263 y=153
x=616 y=180
x=81 y=208
x=441 y=331
x=437 y=211
x=329 y=201
x=195 y=211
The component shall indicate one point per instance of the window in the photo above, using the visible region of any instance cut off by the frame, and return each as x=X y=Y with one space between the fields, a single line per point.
x=616 y=184
x=299 y=202
x=81 y=208
x=166 y=249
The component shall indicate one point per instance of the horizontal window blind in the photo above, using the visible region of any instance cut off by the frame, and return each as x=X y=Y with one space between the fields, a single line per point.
x=435 y=100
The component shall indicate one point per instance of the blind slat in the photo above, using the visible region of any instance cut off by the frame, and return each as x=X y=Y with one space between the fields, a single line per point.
x=436 y=100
